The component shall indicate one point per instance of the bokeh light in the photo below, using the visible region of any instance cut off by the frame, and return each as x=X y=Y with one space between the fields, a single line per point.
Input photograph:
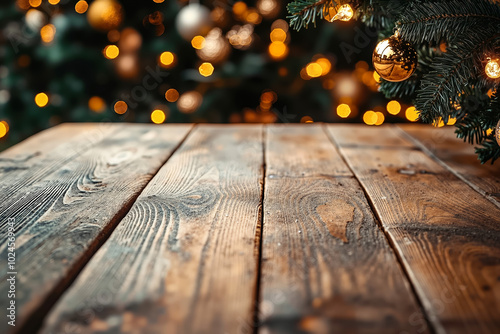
x=370 y=117
x=111 y=51
x=158 y=116
x=189 y=102
x=4 y=128
x=81 y=6
x=278 y=50
x=120 y=107
x=411 y=114
x=172 y=95
x=393 y=107
x=314 y=70
x=97 y=104
x=343 y=110
x=167 y=59
x=206 y=69
x=47 y=33
x=277 y=35
x=198 y=42
x=41 y=99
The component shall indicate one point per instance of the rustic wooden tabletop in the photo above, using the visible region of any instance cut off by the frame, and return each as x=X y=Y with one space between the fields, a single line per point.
x=236 y=229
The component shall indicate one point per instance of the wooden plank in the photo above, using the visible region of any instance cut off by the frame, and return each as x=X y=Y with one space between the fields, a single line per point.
x=42 y=154
x=185 y=258
x=459 y=157
x=326 y=265
x=61 y=219
x=447 y=234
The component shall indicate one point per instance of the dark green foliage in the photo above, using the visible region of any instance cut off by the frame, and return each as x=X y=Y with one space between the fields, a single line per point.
x=449 y=84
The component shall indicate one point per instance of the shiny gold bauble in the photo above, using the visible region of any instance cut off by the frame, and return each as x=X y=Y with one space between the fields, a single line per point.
x=105 y=15
x=497 y=133
x=492 y=68
x=394 y=59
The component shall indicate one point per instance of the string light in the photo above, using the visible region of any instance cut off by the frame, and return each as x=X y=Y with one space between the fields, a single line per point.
x=370 y=117
x=206 y=69
x=172 y=95
x=111 y=51
x=41 y=99
x=314 y=70
x=411 y=114
x=393 y=107
x=167 y=59
x=278 y=50
x=380 y=118
x=54 y=2
x=81 y=6
x=492 y=68
x=35 y=3
x=158 y=116
x=277 y=35
x=120 y=107
x=343 y=110
x=4 y=128
x=97 y=104
x=189 y=102
x=47 y=33
x=198 y=42
x=325 y=64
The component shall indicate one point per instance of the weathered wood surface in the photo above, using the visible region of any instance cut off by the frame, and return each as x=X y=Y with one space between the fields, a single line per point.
x=458 y=157
x=392 y=229
x=66 y=200
x=185 y=258
x=326 y=265
x=446 y=234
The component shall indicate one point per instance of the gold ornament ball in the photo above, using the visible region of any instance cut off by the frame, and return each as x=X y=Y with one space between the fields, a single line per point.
x=497 y=133
x=105 y=15
x=492 y=68
x=394 y=59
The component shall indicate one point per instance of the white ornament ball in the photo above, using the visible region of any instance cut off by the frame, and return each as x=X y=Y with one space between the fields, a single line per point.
x=194 y=19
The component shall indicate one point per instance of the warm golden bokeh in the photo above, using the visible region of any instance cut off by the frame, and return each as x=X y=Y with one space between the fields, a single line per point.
x=120 y=107
x=167 y=59
x=206 y=69
x=343 y=110
x=370 y=117
x=393 y=107
x=172 y=95
x=41 y=99
x=198 y=42
x=158 y=116
x=411 y=114
x=4 y=128
x=111 y=51
x=81 y=6
x=47 y=33
x=97 y=104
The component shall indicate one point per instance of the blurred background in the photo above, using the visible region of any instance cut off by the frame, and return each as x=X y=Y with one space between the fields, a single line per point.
x=167 y=61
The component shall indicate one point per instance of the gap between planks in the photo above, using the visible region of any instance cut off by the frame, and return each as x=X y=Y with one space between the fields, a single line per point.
x=386 y=235
x=35 y=320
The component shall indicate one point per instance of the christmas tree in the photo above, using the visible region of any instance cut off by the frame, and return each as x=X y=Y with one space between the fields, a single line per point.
x=442 y=54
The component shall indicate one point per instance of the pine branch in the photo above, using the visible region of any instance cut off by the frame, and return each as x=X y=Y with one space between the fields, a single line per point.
x=450 y=74
x=447 y=20
x=303 y=12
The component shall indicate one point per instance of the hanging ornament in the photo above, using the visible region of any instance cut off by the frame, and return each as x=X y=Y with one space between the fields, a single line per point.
x=341 y=13
x=394 y=59
x=497 y=133
x=492 y=68
x=194 y=19
x=105 y=15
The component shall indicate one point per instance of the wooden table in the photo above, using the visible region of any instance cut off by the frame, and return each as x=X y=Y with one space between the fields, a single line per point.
x=249 y=229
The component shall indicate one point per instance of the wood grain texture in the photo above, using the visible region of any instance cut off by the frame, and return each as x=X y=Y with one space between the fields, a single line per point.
x=67 y=207
x=185 y=258
x=42 y=154
x=458 y=157
x=446 y=234
x=326 y=265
